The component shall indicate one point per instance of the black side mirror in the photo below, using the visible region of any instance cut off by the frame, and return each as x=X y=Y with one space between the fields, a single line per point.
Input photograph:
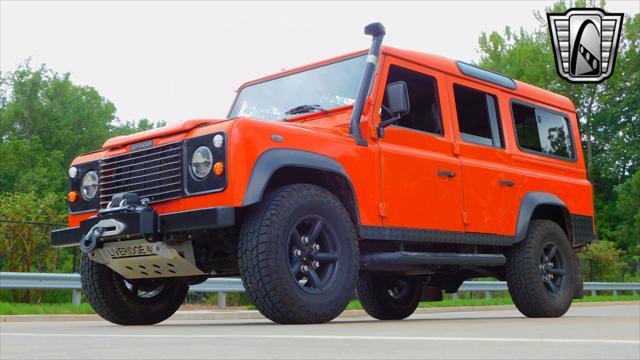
x=398 y=101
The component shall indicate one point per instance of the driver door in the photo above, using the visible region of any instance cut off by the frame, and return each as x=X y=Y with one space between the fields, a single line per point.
x=421 y=177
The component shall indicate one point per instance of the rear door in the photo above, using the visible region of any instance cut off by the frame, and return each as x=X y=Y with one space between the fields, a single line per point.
x=490 y=184
x=421 y=183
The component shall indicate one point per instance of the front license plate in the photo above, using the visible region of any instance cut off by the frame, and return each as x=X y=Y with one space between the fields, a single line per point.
x=120 y=252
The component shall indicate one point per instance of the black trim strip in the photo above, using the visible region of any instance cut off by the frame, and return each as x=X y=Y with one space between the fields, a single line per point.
x=209 y=218
x=434 y=236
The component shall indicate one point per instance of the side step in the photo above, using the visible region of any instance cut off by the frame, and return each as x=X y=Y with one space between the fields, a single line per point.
x=390 y=260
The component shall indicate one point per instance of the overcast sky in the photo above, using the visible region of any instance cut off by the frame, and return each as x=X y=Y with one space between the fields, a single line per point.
x=173 y=61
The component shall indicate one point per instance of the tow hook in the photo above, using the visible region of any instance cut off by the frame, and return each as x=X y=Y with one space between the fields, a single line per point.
x=89 y=241
x=106 y=227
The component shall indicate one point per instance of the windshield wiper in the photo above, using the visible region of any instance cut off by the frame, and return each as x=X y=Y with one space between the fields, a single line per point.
x=303 y=109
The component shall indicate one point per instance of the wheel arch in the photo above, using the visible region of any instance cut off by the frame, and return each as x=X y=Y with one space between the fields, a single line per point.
x=542 y=205
x=279 y=167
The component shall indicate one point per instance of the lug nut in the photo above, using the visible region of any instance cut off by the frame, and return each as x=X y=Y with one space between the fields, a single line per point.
x=315 y=264
x=297 y=252
x=305 y=239
x=316 y=247
x=304 y=268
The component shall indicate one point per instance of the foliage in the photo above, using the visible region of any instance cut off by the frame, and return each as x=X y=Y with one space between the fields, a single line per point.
x=26 y=247
x=604 y=262
x=627 y=228
x=609 y=112
x=45 y=121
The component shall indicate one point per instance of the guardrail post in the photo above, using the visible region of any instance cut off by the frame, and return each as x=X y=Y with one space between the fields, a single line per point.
x=222 y=300
x=615 y=293
x=487 y=294
x=634 y=292
x=76 y=295
x=454 y=296
x=594 y=293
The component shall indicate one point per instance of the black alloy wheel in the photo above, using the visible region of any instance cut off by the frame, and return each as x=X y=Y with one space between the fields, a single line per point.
x=313 y=249
x=551 y=268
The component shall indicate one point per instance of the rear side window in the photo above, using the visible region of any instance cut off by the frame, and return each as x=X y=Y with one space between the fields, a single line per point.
x=478 y=116
x=542 y=131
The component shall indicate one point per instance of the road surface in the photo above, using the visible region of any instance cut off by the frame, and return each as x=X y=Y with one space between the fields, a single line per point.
x=611 y=332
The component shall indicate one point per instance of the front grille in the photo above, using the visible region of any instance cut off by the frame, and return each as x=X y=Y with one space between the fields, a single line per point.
x=154 y=173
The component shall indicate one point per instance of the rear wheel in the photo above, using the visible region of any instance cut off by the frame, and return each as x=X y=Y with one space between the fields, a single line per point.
x=298 y=255
x=541 y=271
x=130 y=302
x=388 y=298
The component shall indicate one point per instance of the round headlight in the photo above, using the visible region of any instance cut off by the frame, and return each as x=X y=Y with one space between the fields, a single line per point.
x=201 y=162
x=73 y=171
x=218 y=140
x=89 y=186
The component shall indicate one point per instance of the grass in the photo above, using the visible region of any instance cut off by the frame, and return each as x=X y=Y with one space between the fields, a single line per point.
x=84 y=308
x=41 y=309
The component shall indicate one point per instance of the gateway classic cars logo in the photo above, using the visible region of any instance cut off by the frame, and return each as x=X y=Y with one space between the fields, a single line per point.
x=585 y=43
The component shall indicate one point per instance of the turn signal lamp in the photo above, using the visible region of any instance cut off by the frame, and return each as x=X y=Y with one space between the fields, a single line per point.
x=218 y=168
x=72 y=196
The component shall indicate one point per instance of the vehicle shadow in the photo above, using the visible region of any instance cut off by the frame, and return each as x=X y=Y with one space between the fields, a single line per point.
x=339 y=322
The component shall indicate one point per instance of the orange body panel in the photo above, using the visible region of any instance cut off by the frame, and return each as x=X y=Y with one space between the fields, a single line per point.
x=395 y=178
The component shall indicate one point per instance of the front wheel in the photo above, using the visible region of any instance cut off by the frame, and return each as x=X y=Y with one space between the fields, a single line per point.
x=388 y=298
x=130 y=302
x=541 y=271
x=298 y=255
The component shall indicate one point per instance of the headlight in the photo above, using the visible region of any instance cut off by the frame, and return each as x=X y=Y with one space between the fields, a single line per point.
x=89 y=186
x=201 y=162
x=73 y=172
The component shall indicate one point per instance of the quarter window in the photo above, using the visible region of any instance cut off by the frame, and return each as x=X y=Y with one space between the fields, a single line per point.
x=478 y=116
x=542 y=131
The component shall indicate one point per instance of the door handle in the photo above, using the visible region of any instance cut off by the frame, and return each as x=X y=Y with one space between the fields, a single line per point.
x=507 y=183
x=446 y=173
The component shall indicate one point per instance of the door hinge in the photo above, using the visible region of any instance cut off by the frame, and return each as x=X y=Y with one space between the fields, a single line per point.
x=456 y=149
x=383 y=209
x=465 y=218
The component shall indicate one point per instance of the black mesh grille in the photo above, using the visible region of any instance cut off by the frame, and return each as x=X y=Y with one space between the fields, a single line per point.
x=154 y=173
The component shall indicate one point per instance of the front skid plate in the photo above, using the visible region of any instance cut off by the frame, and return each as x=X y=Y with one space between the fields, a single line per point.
x=140 y=259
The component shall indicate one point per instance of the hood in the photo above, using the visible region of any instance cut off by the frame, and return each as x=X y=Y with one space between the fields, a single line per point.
x=156 y=133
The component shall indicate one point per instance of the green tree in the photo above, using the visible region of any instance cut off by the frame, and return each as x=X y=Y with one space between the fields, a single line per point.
x=45 y=121
x=627 y=230
x=25 y=247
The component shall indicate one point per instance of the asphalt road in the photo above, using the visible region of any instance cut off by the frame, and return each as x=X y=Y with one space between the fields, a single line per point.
x=611 y=332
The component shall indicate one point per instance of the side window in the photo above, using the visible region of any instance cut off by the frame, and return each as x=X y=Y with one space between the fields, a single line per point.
x=478 y=116
x=542 y=131
x=423 y=95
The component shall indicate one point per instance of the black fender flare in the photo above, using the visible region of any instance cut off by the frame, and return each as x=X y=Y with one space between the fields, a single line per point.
x=529 y=204
x=272 y=160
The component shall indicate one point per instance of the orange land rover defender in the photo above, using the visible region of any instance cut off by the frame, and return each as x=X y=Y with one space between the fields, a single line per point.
x=393 y=172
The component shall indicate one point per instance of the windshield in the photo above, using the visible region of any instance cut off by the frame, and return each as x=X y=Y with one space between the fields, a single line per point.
x=324 y=87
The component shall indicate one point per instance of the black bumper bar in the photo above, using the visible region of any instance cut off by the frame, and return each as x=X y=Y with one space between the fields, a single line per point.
x=209 y=218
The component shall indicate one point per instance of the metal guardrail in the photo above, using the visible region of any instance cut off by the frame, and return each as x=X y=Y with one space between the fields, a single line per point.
x=222 y=286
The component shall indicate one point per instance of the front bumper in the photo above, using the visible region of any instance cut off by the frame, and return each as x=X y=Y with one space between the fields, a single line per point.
x=142 y=224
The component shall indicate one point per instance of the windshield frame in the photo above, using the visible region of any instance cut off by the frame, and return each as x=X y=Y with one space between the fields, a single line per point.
x=294 y=71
